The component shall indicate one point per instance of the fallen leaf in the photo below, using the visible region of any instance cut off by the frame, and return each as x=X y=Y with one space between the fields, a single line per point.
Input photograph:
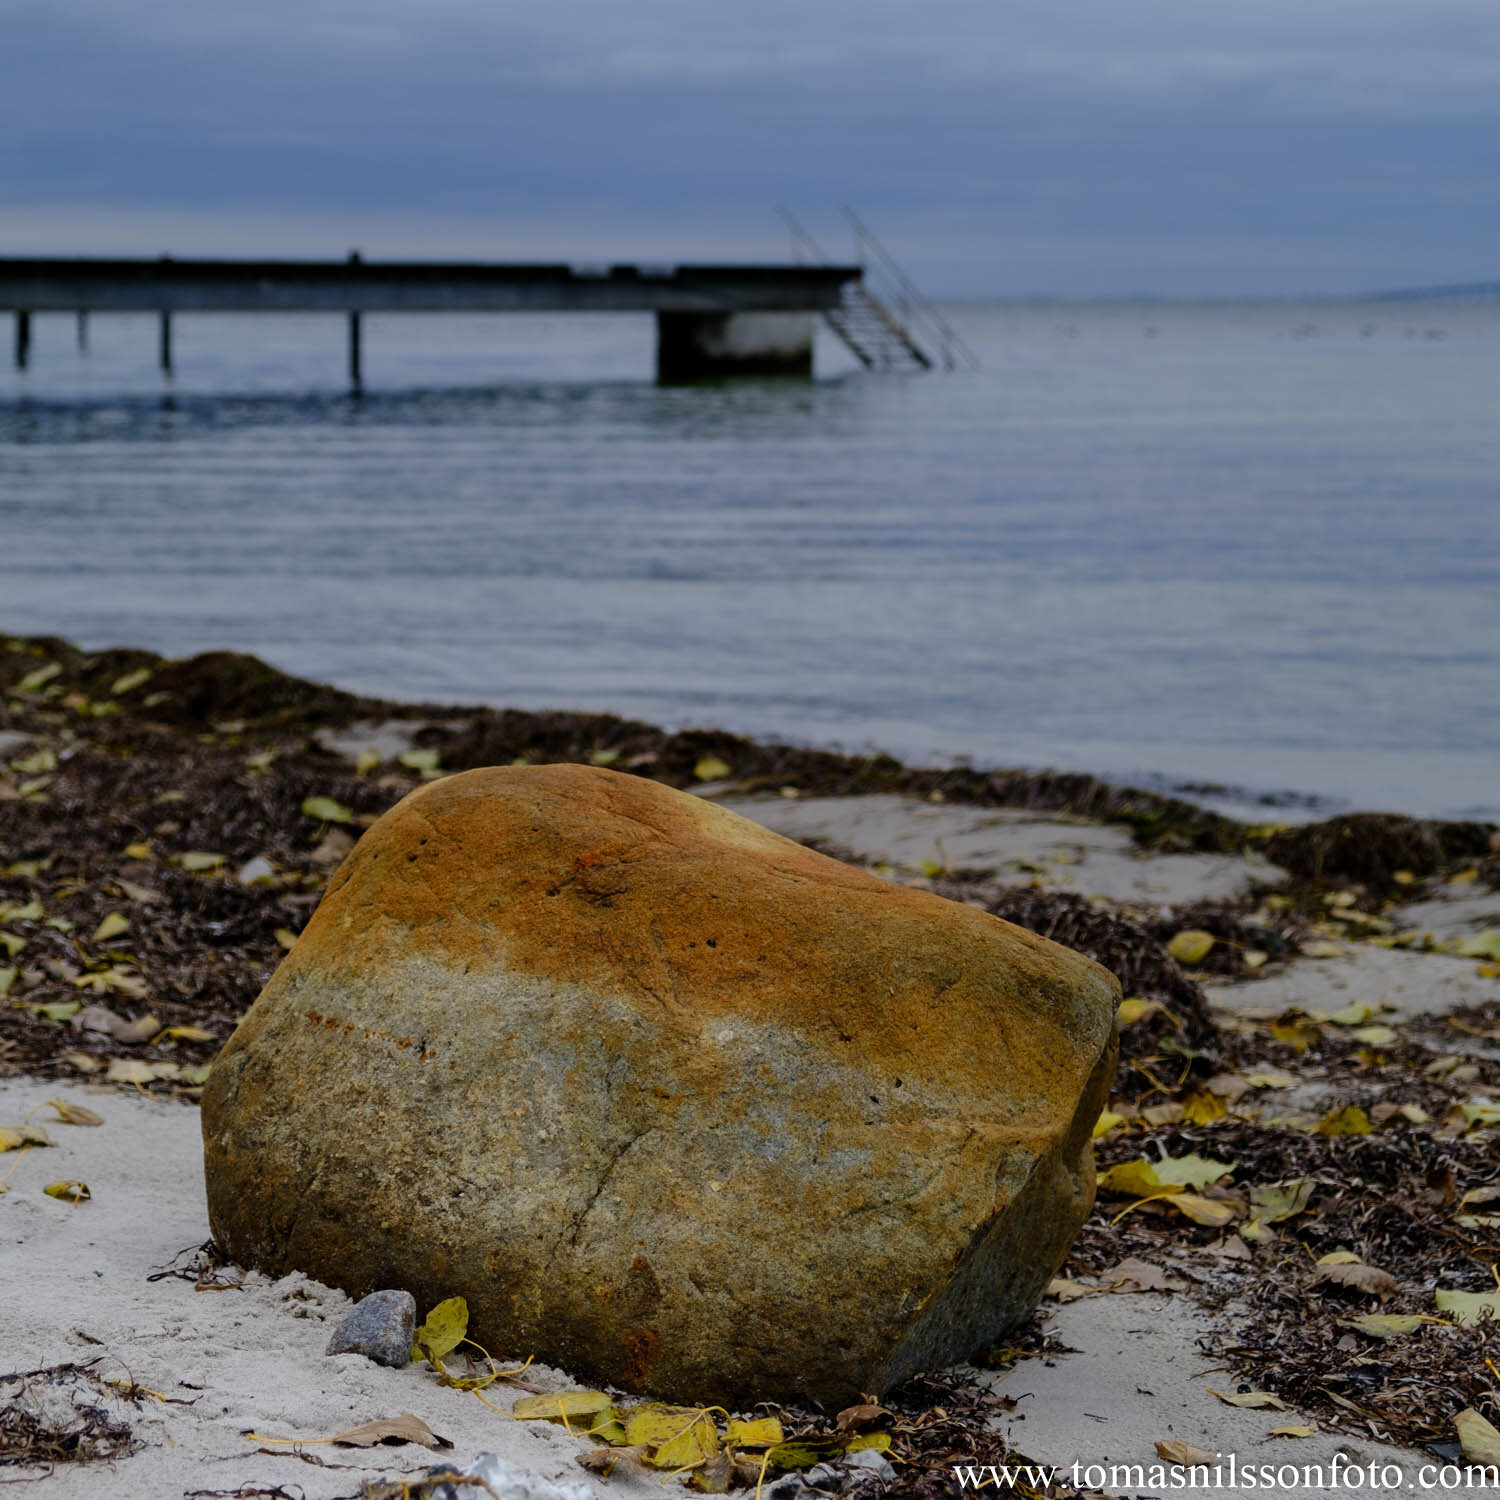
x=71 y=1192
x=711 y=768
x=425 y=761
x=1067 y=1290
x=74 y=1114
x=1142 y=1177
x=285 y=938
x=1375 y=1036
x=326 y=810
x=1254 y=957
x=183 y=1034
x=198 y=861
x=1175 y=1451
x=1320 y=949
x=1299 y=1034
x=1339 y=1258
x=1389 y=1325
x=37 y=679
x=1135 y=1009
x=677 y=1437
x=112 y=926
x=1272 y=1078
x=1481 y=1442
x=138 y=851
x=1362 y=1278
x=1106 y=1122
x=366 y=761
x=1136 y=1275
x=1294 y=1431
x=391 y=1431
x=442 y=1331
x=131 y=1070
x=764 y=1432
x=14 y=1137
x=1254 y=1400
x=1191 y=946
x=129 y=682
x=1211 y=1211
x=562 y=1406
x=1414 y=1113
x=1278 y=1201
x=1350 y=1119
x=1202 y=1108
x=1469 y=1307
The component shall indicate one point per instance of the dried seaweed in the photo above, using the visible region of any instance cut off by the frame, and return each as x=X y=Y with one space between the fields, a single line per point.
x=56 y=1415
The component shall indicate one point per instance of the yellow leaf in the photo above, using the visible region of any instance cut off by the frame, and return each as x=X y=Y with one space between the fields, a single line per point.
x=711 y=768
x=32 y=911
x=132 y=1070
x=605 y=756
x=677 y=1437
x=71 y=1192
x=286 y=938
x=1390 y=1325
x=1322 y=950
x=40 y=678
x=1142 y=1178
x=1106 y=1122
x=1481 y=1442
x=1360 y=1278
x=74 y=1114
x=878 y=1442
x=11 y=943
x=326 y=810
x=1469 y=1307
x=425 y=761
x=112 y=926
x=1136 y=1009
x=1254 y=958
x=562 y=1406
x=1201 y=1210
x=1349 y=1120
x=7 y=979
x=1202 y=1107
x=366 y=761
x=129 y=682
x=1191 y=946
x=443 y=1331
x=1484 y=944
x=1339 y=1258
x=1297 y=1431
x=1479 y=1112
x=1375 y=1036
x=183 y=1034
x=1298 y=1034
x=1464 y=877
x=198 y=861
x=39 y=764
x=1253 y=1400
x=14 y=1137
x=138 y=851
x=762 y=1432
x=1280 y=1201
x=1353 y=1014
x=260 y=761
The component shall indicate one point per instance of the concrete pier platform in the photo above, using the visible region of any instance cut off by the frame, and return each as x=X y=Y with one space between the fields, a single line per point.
x=712 y=320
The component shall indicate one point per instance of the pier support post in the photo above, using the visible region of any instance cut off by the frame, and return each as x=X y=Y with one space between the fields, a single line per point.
x=166 y=343
x=83 y=330
x=709 y=346
x=23 y=338
x=356 y=376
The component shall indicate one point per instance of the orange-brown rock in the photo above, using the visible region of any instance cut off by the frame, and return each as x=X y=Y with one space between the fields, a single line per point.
x=672 y=1101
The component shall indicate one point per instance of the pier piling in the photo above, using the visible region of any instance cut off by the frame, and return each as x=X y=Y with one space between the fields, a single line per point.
x=166 y=343
x=23 y=338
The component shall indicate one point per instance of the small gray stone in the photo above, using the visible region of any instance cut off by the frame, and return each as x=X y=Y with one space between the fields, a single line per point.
x=380 y=1327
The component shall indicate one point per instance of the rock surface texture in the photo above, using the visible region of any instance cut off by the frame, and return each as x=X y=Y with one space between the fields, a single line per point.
x=380 y=1326
x=672 y=1101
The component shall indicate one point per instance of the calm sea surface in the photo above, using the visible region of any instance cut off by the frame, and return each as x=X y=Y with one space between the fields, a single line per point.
x=1255 y=545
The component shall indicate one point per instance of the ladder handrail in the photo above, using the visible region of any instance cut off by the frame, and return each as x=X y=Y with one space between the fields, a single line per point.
x=946 y=334
x=800 y=234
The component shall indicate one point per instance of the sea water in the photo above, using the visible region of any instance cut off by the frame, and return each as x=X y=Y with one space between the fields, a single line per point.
x=1253 y=549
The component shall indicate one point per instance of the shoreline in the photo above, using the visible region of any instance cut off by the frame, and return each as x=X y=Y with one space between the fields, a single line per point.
x=166 y=828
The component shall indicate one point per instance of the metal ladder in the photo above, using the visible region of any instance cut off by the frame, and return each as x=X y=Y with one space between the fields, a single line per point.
x=878 y=328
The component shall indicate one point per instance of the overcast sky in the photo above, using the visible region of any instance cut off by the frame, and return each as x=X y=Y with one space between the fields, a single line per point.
x=1005 y=147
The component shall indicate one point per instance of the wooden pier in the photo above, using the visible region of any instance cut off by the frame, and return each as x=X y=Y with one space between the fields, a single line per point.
x=712 y=320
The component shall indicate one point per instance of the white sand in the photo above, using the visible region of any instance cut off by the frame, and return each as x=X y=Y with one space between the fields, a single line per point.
x=75 y=1288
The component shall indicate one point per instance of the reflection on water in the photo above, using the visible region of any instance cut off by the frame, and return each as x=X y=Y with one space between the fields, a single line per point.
x=1244 y=544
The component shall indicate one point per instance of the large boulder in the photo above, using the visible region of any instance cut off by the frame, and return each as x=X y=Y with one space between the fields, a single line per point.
x=672 y=1101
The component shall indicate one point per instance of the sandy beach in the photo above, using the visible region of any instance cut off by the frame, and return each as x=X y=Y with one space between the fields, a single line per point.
x=1335 y=1044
